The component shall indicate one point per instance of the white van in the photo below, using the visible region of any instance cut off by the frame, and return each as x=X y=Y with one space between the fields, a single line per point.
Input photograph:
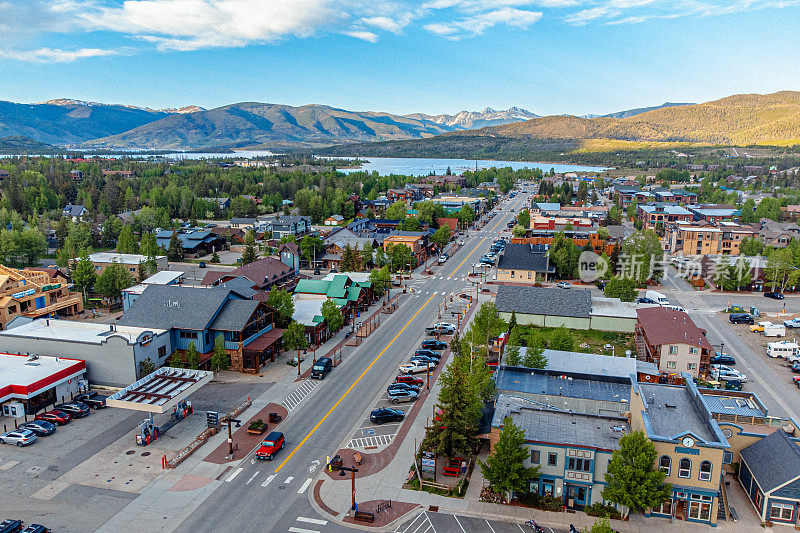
x=774 y=330
x=784 y=349
x=657 y=297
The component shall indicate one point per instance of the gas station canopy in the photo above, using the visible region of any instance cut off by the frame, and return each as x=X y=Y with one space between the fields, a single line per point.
x=160 y=391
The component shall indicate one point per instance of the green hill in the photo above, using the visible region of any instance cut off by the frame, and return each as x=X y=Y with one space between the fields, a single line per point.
x=19 y=145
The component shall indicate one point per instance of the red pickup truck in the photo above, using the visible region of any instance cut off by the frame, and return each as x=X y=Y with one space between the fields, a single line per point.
x=270 y=445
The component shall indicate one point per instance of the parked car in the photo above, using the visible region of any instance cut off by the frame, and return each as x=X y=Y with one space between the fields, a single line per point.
x=428 y=353
x=644 y=300
x=42 y=428
x=75 y=409
x=722 y=359
x=774 y=295
x=461 y=242
x=442 y=328
x=35 y=528
x=796 y=367
x=321 y=368
x=726 y=373
x=386 y=414
x=757 y=328
x=202 y=264
x=11 y=526
x=316 y=272
x=397 y=396
x=55 y=416
x=18 y=437
x=741 y=318
x=423 y=359
x=415 y=367
x=486 y=260
x=411 y=380
x=402 y=386
x=433 y=344
x=563 y=285
x=792 y=323
x=602 y=284
x=92 y=399
x=270 y=446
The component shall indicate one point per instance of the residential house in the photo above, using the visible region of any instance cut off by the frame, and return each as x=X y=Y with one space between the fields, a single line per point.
x=244 y=223
x=74 y=212
x=690 y=447
x=422 y=190
x=119 y=173
x=199 y=314
x=334 y=220
x=670 y=339
x=76 y=175
x=34 y=294
x=769 y=472
x=400 y=195
x=791 y=212
x=263 y=274
x=703 y=238
x=195 y=242
x=131 y=262
x=524 y=263
x=286 y=225
x=777 y=234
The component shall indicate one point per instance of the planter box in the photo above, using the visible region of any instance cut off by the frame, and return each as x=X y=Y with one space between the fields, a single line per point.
x=257 y=430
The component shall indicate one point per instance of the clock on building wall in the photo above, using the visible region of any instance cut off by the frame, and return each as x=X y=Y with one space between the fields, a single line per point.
x=688 y=442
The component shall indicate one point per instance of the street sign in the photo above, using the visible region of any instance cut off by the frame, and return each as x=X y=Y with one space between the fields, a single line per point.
x=212 y=419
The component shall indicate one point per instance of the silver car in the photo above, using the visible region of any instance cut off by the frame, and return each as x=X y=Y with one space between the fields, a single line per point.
x=20 y=437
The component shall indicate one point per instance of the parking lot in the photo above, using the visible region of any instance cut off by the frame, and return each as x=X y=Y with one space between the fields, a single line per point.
x=430 y=522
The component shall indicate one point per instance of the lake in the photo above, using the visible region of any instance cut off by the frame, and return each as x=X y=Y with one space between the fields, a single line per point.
x=423 y=167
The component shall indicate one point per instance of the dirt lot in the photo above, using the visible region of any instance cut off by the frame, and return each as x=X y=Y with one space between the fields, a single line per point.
x=592 y=341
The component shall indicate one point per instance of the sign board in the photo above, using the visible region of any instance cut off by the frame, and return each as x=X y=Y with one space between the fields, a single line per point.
x=428 y=465
x=212 y=419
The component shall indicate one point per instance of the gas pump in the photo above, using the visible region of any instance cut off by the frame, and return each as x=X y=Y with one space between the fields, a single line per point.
x=182 y=410
x=148 y=432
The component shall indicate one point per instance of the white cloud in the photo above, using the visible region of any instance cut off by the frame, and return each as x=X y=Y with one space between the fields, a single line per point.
x=394 y=25
x=56 y=55
x=477 y=24
x=588 y=15
x=363 y=35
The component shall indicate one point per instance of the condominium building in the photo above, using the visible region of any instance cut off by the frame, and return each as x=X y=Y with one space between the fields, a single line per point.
x=691 y=238
x=33 y=294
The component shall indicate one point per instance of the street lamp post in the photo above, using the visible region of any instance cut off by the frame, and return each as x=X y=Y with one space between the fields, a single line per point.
x=352 y=471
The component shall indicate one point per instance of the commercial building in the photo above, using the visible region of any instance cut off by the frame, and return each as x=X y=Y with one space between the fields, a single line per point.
x=580 y=237
x=689 y=447
x=414 y=241
x=671 y=340
x=524 y=263
x=165 y=277
x=33 y=294
x=113 y=353
x=264 y=273
x=715 y=213
x=131 y=262
x=693 y=238
x=652 y=215
x=30 y=382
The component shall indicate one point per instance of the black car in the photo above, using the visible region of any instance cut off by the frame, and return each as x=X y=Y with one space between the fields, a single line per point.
x=722 y=359
x=774 y=295
x=36 y=528
x=741 y=318
x=92 y=399
x=433 y=344
x=402 y=386
x=601 y=284
x=427 y=353
x=42 y=428
x=645 y=301
x=386 y=414
x=76 y=409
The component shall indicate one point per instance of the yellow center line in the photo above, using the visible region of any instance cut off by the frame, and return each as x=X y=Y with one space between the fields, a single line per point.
x=477 y=245
x=351 y=387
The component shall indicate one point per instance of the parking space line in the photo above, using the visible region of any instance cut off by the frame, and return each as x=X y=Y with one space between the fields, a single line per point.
x=490 y=526
x=459 y=524
x=304 y=486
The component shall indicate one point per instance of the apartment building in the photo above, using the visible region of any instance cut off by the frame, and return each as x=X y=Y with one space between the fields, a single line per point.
x=693 y=238
x=652 y=215
x=33 y=294
x=672 y=341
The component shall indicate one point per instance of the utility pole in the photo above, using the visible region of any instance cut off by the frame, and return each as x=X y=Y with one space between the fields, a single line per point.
x=427 y=376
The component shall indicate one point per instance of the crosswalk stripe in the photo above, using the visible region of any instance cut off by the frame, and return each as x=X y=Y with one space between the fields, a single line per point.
x=257 y=472
x=304 y=486
x=288 y=480
x=268 y=480
x=301 y=530
x=316 y=521
x=235 y=473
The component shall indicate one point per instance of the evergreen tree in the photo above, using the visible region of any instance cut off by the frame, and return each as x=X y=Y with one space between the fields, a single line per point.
x=461 y=409
x=249 y=255
x=366 y=256
x=512 y=322
x=348 y=262
x=175 y=250
x=534 y=357
x=126 y=242
x=631 y=479
x=177 y=359
x=505 y=467
x=215 y=257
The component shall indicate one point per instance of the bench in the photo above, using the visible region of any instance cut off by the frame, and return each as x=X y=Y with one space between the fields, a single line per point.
x=451 y=471
x=357 y=457
x=364 y=517
x=275 y=418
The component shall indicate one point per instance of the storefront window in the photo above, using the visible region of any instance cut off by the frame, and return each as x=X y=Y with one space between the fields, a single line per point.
x=666 y=508
x=699 y=511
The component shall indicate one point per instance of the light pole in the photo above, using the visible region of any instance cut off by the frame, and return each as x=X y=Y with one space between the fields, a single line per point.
x=352 y=471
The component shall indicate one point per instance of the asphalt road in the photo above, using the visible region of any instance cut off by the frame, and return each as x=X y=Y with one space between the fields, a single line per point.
x=273 y=496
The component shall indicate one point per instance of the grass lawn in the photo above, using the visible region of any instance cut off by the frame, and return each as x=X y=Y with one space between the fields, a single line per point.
x=593 y=341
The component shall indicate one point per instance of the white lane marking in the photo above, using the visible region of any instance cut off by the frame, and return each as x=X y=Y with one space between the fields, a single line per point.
x=301 y=530
x=304 y=486
x=490 y=526
x=288 y=479
x=253 y=477
x=268 y=480
x=459 y=524
x=235 y=473
x=312 y=520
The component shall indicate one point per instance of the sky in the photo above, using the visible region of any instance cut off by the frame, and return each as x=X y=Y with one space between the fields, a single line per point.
x=398 y=56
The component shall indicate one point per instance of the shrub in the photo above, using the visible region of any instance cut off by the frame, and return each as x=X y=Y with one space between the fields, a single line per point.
x=605 y=511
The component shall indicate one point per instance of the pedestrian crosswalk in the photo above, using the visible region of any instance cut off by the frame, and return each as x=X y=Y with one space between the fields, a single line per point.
x=307 y=523
x=376 y=440
x=299 y=393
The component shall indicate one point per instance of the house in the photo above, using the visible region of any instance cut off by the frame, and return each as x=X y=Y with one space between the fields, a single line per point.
x=777 y=234
x=131 y=262
x=571 y=449
x=34 y=294
x=76 y=175
x=74 y=212
x=55 y=274
x=769 y=472
x=120 y=173
x=334 y=220
x=286 y=225
x=233 y=235
x=195 y=242
x=4 y=174
x=690 y=447
x=545 y=306
x=790 y=212
x=524 y=263
x=351 y=296
x=670 y=339
x=243 y=223
x=164 y=277
x=397 y=195
x=264 y=274
x=422 y=190
x=223 y=203
x=198 y=315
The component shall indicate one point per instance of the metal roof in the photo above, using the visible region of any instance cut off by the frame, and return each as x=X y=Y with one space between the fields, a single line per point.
x=165 y=277
x=576 y=303
x=673 y=411
x=522 y=380
x=587 y=363
x=161 y=390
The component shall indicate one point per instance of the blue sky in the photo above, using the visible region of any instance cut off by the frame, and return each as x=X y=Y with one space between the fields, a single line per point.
x=437 y=56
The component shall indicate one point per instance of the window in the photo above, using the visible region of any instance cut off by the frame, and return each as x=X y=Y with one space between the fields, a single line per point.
x=691 y=366
x=12 y=309
x=512 y=273
x=535 y=457
x=671 y=364
x=666 y=507
x=699 y=511
x=552 y=459
x=162 y=352
x=529 y=274
x=705 y=471
x=693 y=350
x=673 y=350
x=781 y=511
x=665 y=464
x=685 y=468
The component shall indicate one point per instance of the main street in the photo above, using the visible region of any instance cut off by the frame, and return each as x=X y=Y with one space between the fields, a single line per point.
x=273 y=496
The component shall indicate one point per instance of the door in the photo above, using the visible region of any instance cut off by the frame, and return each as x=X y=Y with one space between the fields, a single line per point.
x=576 y=496
x=680 y=510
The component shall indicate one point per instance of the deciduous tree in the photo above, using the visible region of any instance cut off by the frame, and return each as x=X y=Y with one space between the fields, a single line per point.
x=281 y=301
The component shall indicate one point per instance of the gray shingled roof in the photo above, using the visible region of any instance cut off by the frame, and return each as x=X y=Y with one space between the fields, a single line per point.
x=544 y=301
x=234 y=315
x=241 y=286
x=524 y=257
x=773 y=461
x=175 y=306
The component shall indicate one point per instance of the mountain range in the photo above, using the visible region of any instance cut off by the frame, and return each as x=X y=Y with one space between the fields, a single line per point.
x=478 y=119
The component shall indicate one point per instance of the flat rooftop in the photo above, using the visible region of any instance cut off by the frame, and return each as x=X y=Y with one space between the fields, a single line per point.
x=22 y=376
x=672 y=411
x=124 y=259
x=165 y=277
x=612 y=307
x=161 y=390
x=559 y=361
x=74 y=331
x=523 y=381
x=561 y=427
